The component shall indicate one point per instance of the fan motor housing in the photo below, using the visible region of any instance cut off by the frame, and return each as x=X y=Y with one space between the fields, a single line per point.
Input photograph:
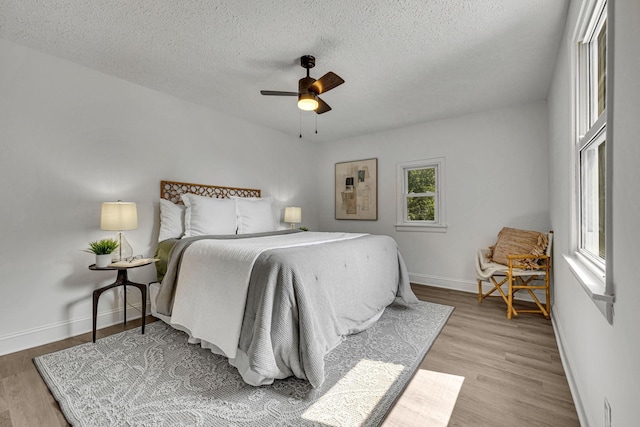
x=304 y=83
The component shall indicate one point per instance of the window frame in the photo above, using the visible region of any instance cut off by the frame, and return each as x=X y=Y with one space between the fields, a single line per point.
x=590 y=130
x=402 y=196
x=596 y=137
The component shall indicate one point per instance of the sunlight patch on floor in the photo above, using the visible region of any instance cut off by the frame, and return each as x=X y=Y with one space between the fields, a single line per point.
x=351 y=400
x=428 y=400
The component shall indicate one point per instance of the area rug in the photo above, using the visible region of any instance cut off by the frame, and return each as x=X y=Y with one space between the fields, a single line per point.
x=158 y=379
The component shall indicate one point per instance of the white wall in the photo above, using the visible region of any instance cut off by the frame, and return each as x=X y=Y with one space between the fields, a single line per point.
x=71 y=138
x=496 y=175
x=602 y=359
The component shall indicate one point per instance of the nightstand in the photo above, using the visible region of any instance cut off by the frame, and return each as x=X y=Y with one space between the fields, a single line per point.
x=121 y=280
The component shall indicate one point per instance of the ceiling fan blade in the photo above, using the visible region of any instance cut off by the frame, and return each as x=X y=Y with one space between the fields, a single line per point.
x=323 y=107
x=326 y=83
x=278 y=93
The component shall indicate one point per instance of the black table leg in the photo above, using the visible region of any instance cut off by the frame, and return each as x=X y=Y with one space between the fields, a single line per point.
x=124 y=313
x=121 y=280
x=143 y=293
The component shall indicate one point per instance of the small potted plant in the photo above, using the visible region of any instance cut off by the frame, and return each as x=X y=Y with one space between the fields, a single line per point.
x=102 y=249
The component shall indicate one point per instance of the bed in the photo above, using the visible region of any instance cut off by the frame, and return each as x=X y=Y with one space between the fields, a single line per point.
x=274 y=302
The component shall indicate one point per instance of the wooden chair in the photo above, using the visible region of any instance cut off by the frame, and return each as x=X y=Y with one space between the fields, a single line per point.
x=517 y=276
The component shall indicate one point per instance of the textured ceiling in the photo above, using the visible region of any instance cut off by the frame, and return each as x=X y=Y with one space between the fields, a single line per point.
x=404 y=61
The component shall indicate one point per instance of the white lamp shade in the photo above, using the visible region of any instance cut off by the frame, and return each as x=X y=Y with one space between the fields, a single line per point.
x=118 y=216
x=293 y=215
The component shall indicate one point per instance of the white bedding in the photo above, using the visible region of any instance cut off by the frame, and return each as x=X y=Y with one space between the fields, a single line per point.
x=210 y=298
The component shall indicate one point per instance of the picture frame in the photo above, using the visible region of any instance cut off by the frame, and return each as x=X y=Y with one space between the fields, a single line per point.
x=356 y=190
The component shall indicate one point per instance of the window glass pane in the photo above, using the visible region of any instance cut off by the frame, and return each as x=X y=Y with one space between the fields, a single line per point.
x=420 y=197
x=421 y=209
x=421 y=180
x=602 y=68
x=602 y=173
x=593 y=175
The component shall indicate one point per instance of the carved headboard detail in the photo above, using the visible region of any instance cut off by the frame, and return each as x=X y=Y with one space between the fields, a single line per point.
x=171 y=190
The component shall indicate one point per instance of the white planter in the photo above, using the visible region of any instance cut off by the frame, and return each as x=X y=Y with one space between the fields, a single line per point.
x=103 y=261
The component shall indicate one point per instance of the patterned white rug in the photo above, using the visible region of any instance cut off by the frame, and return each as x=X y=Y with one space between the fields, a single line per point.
x=158 y=379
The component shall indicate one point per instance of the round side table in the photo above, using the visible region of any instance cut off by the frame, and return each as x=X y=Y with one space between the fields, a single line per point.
x=121 y=280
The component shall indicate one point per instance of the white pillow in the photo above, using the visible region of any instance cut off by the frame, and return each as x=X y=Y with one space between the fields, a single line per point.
x=171 y=220
x=207 y=215
x=255 y=215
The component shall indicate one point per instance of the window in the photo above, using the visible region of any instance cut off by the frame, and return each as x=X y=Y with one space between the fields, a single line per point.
x=591 y=155
x=420 y=193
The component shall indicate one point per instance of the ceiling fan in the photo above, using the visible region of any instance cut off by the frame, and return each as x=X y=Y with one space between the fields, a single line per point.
x=309 y=88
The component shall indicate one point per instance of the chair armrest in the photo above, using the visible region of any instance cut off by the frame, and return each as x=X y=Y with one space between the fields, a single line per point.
x=514 y=258
x=528 y=256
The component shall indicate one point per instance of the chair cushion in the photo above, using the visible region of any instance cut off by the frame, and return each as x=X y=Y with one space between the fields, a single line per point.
x=512 y=241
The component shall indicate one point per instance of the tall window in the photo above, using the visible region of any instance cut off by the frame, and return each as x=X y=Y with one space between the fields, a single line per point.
x=592 y=136
x=420 y=189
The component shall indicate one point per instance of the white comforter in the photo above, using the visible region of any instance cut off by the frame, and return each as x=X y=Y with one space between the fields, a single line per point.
x=300 y=299
x=212 y=287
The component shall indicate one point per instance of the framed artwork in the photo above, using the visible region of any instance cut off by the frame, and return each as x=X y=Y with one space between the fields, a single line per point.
x=357 y=190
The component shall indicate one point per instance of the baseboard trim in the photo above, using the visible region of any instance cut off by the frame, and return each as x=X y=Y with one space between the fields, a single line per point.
x=46 y=334
x=573 y=387
x=463 y=285
x=444 y=282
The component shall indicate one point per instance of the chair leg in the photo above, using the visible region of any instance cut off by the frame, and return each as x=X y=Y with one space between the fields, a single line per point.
x=510 y=296
x=496 y=287
x=525 y=284
x=547 y=283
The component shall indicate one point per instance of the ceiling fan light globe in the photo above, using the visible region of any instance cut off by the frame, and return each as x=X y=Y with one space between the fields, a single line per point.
x=307 y=102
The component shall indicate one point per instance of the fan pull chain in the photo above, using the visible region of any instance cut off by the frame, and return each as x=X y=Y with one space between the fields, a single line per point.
x=316 y=124
x=300 y=124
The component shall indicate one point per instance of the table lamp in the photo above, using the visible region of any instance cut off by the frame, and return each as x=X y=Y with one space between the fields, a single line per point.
x=293 y=215
x=119 y=216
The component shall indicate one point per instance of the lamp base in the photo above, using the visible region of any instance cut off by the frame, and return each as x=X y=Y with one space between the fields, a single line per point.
x=124 y=249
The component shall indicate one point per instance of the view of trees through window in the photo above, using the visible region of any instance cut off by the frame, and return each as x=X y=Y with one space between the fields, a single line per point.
x=421 y=187
x=602 y=68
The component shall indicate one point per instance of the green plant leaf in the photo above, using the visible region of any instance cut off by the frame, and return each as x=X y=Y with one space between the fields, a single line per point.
x=102 y=247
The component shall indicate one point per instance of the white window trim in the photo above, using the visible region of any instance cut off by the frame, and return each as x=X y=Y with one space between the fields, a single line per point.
x=589 y=274
x=437 y=226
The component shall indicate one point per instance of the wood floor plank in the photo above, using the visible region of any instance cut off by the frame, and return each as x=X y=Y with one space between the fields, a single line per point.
x=5 y=419
x=5 y=412
x=30 y=403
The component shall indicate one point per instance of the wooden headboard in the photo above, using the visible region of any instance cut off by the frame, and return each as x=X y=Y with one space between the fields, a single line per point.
x=171 y=190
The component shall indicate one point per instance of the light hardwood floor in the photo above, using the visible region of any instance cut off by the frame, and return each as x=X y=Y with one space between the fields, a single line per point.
x=512 y=369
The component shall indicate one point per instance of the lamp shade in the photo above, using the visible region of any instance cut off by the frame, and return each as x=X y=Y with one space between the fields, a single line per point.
x=293 y=215
x=119 y=216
